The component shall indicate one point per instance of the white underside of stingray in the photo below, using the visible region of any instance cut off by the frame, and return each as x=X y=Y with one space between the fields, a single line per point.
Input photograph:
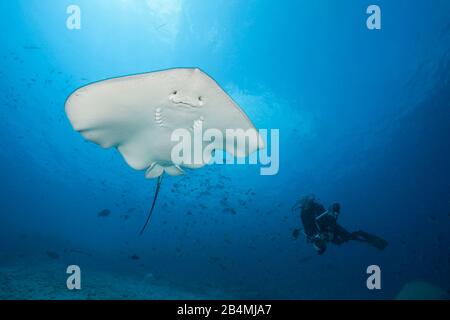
x=137 y=115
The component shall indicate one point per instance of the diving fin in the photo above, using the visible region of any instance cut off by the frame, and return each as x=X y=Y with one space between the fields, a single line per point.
x=374 y=240
x=158 y=186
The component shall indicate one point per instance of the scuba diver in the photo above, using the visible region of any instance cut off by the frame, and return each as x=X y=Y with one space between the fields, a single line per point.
x=320 y=226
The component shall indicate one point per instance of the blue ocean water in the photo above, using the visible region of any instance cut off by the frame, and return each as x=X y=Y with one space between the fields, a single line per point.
x=364 y=119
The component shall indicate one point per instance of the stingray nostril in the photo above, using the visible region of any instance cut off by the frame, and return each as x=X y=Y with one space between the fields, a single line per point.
x=175 y=92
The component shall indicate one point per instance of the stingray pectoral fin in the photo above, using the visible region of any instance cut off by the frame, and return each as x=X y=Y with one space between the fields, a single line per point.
x=102 y=113
x=243 y=142
x=206 y=159
x=173 y=170
x=137 y=151
x=193 y=165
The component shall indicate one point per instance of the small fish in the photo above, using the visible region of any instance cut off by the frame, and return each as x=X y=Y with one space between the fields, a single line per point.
x=229 y=210
x=77 y=251
x=52 y=255
x=295 y=234
x=134 y=257
x=31 y=48
x=104 y=213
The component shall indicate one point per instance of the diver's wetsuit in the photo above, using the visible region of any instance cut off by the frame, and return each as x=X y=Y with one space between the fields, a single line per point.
x=336 y=233
x=320 y=226
x=308 y=215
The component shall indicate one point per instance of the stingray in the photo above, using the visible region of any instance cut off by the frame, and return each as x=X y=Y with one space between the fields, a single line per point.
x=137 y=115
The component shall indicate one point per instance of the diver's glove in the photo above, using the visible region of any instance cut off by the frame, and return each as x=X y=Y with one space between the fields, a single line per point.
x=319 y=244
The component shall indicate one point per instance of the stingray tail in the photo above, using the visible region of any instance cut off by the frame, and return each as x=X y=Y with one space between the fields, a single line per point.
x=158 y=186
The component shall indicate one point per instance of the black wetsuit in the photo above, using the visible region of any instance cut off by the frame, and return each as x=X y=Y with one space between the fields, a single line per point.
x=320 y=225
x=328 y=224
x=315 y=223
x=308 y=215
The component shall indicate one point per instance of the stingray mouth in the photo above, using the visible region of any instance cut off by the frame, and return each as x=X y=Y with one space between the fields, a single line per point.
x=184 y=104
x=185 y=101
